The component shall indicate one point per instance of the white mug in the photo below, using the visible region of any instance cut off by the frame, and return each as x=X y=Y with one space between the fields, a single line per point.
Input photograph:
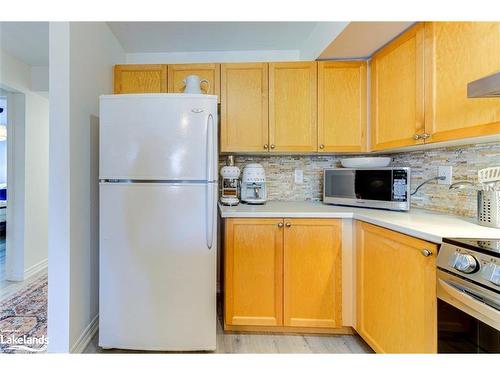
x=193 y=85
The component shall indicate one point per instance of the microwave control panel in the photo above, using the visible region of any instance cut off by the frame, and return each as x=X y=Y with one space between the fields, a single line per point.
x=399 y=188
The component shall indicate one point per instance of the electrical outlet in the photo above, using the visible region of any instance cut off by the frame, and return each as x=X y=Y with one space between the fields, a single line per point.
x=299 y=176
x=447 y=171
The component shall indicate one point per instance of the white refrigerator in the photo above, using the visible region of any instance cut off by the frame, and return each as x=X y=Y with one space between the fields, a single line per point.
x=158 y=196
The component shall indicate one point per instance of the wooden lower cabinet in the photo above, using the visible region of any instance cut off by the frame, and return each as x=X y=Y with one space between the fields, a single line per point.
x=396 y=291
x=312 y=273
x=253 y=278
x=283 y=275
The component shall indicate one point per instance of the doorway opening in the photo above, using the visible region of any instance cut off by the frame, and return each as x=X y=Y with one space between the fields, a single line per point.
x=3 y=184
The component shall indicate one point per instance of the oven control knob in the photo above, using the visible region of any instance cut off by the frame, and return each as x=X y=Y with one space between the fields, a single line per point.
x=465 y=263
x=491 y=273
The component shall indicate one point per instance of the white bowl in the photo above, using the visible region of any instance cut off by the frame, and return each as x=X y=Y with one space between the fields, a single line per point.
x=366 y=162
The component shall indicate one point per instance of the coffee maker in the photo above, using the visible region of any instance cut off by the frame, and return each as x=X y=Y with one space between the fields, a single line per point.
x=230 y=183
x=253 y=184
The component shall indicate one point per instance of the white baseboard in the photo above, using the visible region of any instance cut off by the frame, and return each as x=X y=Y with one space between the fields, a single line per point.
x=86 y=336
x=30 y=271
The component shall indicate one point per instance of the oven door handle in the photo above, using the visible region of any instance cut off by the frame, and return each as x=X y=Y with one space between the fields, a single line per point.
x=471 y=302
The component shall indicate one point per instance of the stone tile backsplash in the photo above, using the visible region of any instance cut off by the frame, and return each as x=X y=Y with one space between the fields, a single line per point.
x=465 y=160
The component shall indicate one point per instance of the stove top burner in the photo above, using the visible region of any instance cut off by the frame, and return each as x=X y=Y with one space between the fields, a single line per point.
x=487 y=246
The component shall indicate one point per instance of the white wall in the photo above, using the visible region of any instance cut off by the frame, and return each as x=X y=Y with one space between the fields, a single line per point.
x=82 y=55
x=15 y=77
x=212 y=57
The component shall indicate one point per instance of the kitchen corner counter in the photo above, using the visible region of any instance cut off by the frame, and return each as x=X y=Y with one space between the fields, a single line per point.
x=427 y=225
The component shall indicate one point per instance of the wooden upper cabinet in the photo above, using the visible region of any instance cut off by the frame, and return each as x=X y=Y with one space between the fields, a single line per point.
x=455 y=54
x=253 y=277
x=397 y=85
x=132 y=78
x=312 y=273
x=342 y=106
x=244 y=107
x=293 y=107
x=396 y=291
x=211 y=72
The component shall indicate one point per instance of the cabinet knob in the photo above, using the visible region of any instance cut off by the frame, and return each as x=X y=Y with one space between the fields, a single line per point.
x=266 y=146
x=280 y=225
x=417 y=137
x=272 y=147
x=288 y=225
x=425 y=135
x=321 y=146
x=426 y=252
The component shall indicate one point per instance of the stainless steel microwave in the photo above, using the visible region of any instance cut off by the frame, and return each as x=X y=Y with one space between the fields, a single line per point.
x=386 y=188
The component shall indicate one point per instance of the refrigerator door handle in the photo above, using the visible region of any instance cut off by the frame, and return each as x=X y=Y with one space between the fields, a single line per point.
x=210 y=214
x=210 y=147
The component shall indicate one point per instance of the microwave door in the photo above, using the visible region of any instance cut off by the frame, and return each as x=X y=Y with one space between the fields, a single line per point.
x=373 y=185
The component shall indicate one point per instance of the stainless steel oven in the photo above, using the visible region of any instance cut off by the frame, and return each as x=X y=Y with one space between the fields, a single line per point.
x=386 y=188
x=468 y=289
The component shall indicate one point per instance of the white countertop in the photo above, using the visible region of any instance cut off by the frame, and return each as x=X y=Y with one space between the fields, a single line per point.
x=427 y=225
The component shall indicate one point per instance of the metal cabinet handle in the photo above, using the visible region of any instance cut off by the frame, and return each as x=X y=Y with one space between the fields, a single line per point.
x=280 y=225
x=266 y=146
x=421 y=136
x=272 y=147
x=426 y=252
x=321 y=146
x=288 y=225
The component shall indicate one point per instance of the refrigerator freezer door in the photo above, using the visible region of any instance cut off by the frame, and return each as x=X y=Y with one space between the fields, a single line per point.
x=158 y=137
x=157 y=272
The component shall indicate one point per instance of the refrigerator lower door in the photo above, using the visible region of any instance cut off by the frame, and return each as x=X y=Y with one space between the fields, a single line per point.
x=157 y=270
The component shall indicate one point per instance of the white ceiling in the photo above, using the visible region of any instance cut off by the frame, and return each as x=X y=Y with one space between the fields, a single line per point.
x=165 y=37
x=28 y=41
x=361 y=39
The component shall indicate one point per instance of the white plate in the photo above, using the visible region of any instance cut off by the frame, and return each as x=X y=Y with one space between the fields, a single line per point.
x=366 y=162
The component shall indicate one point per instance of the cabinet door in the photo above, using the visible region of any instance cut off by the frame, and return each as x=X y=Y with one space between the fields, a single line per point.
x=253 y=272
x=178 y=72
x=132 y=79
x=397 y=108
x=396 y=291
x=312 y=273
x=244 y=107
x=455 y=54
x=293 y=107
x=342 y=106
